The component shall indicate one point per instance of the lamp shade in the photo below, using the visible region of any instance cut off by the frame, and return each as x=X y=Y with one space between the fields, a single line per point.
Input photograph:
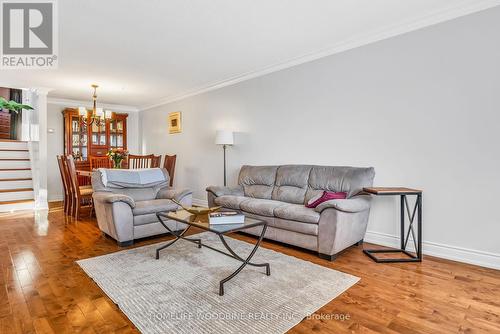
x=99 y=112
x=224 y=137
x=82 y=111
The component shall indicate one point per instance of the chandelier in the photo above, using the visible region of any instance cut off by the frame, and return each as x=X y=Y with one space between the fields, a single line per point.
x=98 y=116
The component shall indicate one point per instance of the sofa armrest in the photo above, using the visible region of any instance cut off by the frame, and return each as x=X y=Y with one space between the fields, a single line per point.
x=354 y=204
x=221 y=191
x=170 y=193
x=110 y=198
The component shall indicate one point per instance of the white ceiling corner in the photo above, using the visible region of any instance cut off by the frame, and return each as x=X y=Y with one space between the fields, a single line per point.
x=460 y=9
x=156 y=52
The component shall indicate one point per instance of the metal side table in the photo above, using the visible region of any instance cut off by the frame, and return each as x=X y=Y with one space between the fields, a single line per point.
x=405 y=234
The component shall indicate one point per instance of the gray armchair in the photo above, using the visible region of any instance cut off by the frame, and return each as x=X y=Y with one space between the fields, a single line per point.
x=128 y=212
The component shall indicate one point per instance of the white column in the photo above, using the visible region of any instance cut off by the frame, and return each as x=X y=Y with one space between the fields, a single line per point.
x=26 y=115
x=38 y=146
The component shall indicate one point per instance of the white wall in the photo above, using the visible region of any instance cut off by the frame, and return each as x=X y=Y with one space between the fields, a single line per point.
x=55 y=147
x=55 y=121
x=422 y=108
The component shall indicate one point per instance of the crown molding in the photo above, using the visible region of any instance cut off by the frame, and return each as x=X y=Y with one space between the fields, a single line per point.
x=460 y=9
x=76 y=103
x=43 y=91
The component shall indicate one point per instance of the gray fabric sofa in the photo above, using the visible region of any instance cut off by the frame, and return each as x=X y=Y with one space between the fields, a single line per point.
x=278 y=194
x=129 y=213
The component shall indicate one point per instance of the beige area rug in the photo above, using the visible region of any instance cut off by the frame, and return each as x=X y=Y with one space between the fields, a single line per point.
x=179 y=292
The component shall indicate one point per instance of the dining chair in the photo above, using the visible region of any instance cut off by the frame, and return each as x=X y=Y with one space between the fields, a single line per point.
x=67 y=196
x=155 y=163
x=169 y=165
x=99 y=162
x=81 y=195
x=140 y=161
x=70 y=199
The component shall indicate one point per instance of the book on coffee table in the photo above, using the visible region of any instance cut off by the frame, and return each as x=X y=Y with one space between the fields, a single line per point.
x=226 y=217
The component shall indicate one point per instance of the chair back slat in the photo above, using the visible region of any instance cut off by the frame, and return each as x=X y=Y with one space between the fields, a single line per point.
x=64 y=161
x=99 y=162
x=60 y=163
x=155 y=163
x=77 y=199
x=141 y=161
x=169 y=165
x=73 y=177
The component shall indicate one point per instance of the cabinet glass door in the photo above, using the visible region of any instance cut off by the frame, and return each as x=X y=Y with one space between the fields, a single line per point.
x=79 y=139
x=99 y=134
x=116 y=133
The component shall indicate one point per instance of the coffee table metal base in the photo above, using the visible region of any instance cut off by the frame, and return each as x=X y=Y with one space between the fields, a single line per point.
x=231 y=254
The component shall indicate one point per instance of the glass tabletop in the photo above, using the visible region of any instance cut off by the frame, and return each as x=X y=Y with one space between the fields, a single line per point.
x=201 y=221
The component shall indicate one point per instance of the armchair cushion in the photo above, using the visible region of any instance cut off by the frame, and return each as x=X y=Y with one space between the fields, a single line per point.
x=108 y=197
x=170 y=193
x=133 y=178
x=136 y=193
x=153 y=206
x=355 y=204
x=221 y=191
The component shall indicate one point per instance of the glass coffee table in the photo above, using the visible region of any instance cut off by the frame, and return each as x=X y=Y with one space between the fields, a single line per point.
x=201 y=221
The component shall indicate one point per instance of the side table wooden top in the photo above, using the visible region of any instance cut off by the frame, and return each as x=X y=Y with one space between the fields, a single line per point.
x=391 y=191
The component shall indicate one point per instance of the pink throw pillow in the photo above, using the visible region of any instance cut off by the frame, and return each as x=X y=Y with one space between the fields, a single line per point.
x=326 y=196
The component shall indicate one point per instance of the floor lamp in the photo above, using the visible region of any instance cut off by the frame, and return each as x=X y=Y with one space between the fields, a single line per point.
x=224 y=138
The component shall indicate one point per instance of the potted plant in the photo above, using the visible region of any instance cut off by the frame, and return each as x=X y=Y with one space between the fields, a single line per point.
x=117 y=155
x=13 y=105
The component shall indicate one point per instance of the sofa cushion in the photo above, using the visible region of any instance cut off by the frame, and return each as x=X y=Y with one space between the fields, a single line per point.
x=338 y=179
x=258 y=181
x=297 y=212
x=295 y=226
x=229 y=201
x=264 y=207
x=291 y=183
x=153 y=206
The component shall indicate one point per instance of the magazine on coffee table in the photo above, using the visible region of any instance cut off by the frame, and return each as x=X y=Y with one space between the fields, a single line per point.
x=226 y=217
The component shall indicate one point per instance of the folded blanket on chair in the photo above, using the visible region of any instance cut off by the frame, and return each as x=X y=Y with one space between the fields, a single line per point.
x=133 y=178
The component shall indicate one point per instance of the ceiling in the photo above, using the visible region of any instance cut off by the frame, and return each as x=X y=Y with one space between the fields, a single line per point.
x=144 y=53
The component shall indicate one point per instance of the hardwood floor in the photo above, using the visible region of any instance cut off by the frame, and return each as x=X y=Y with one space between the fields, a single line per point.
x=45 y=291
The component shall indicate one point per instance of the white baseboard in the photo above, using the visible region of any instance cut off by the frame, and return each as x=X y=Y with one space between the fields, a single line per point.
x=56 y=198
x=460 y=254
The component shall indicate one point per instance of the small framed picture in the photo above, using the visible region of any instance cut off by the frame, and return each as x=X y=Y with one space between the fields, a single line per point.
x=174 y=122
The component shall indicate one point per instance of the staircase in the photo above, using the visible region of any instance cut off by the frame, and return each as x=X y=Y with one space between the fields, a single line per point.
x=16 y=184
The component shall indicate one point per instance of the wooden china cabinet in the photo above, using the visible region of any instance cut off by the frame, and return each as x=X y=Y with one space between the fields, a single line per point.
x=81 y=140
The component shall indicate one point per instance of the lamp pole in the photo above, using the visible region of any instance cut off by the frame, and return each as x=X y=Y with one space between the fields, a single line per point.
x=224 y=148
x=224 y=138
